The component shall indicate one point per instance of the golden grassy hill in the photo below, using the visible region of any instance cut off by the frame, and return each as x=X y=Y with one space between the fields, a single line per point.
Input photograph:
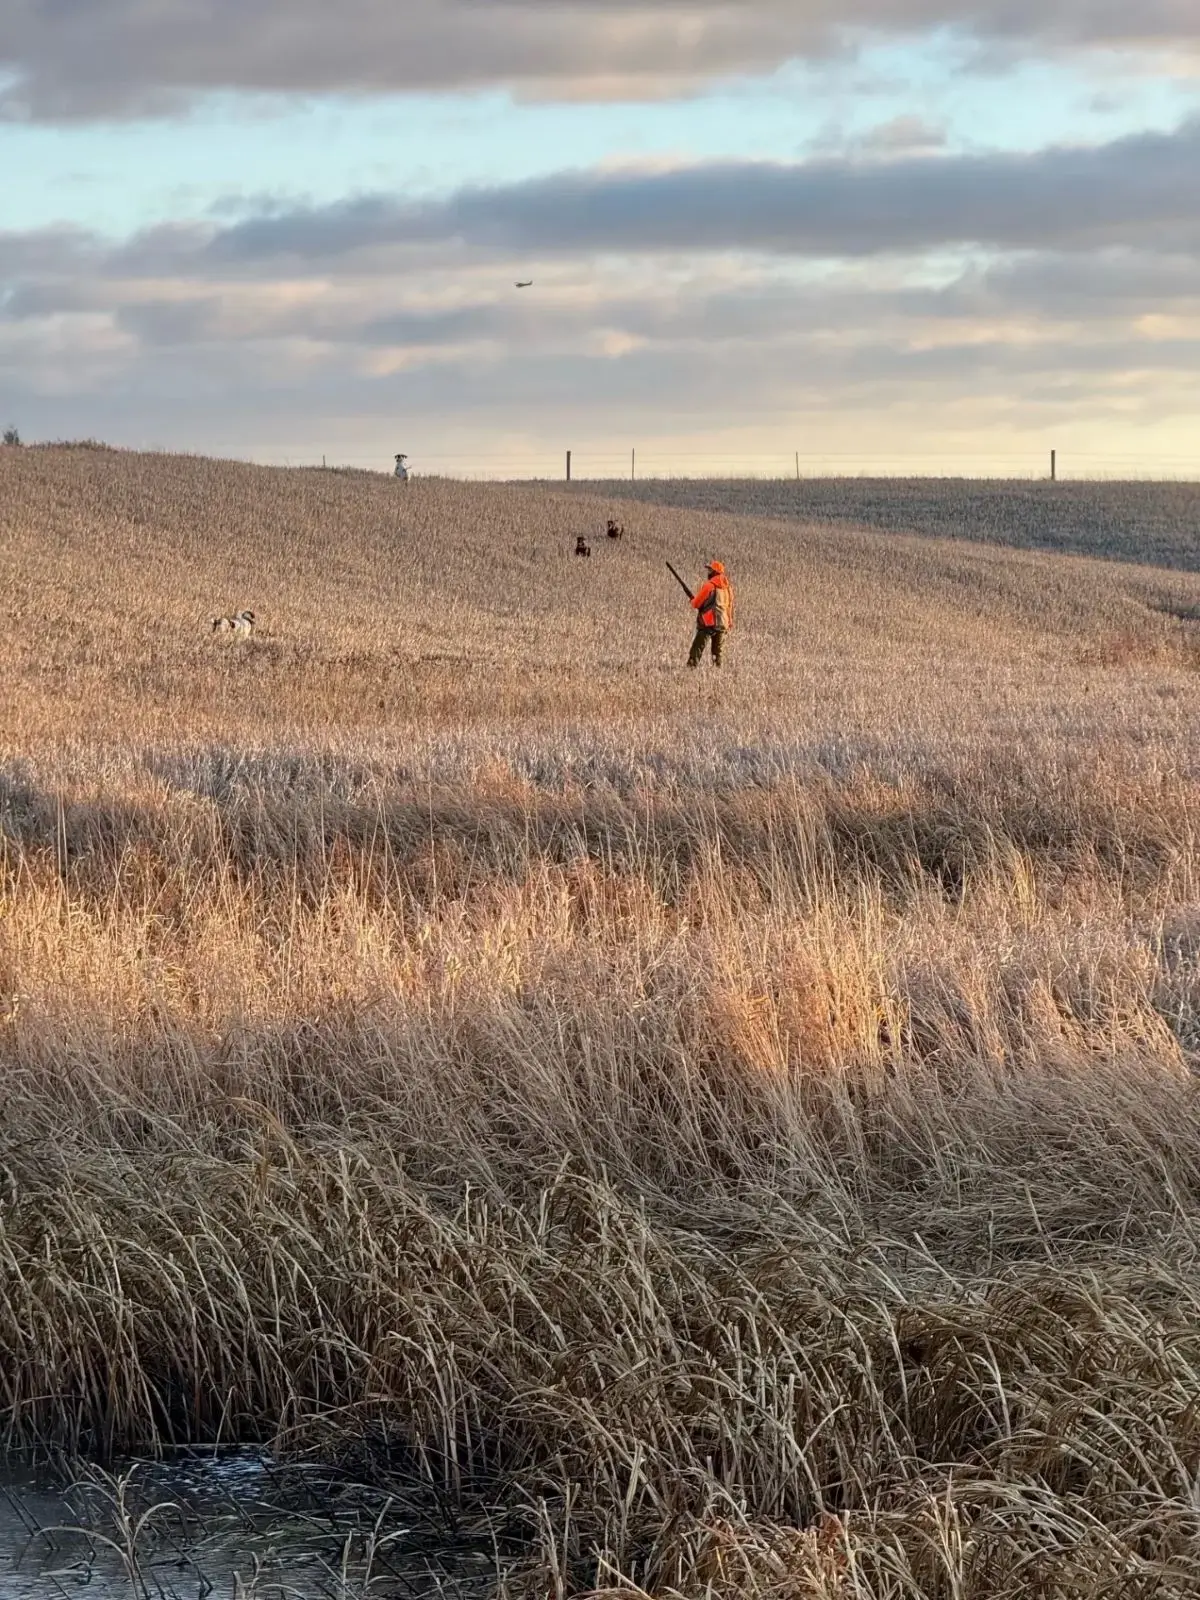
x=387 y=612
x=728 y=1136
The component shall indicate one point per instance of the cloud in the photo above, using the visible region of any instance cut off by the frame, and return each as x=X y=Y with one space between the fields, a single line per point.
x=1060 y=286
x=1147 y=186
x=1138 y=191
x=108 y=56
x=81 y=58
x=904 y=135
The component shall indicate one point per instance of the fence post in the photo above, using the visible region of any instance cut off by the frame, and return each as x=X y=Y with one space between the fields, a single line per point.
x=797 y=466
x=568 y=466
x=633 y=465
x=1053 y=466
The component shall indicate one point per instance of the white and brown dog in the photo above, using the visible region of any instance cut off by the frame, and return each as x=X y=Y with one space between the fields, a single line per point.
x=241 y=624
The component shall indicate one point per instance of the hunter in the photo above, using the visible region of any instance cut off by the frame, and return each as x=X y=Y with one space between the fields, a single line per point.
x=713 y=604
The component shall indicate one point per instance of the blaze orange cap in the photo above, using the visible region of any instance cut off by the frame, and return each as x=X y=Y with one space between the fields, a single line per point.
x=716 y=566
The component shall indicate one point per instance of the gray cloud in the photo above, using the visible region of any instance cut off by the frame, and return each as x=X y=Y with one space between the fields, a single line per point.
x=1144 y=190
x=863 y=372
x=1077 y=296
x=1056 y=228
x=45 y=250
x=1146 y=187
x=1094 y=301
x=1113 y=291
x=1139 y=194
x=1121 y=282
x=224 y=392
x=904 y=135
x=75 y=58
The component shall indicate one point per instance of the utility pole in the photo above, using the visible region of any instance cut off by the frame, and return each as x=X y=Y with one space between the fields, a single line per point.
x=633 y=465
x=1053 y=466
x=797 y=466
x=568 y=466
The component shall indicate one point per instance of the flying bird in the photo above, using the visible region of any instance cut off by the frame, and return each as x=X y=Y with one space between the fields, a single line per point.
x=528 y=284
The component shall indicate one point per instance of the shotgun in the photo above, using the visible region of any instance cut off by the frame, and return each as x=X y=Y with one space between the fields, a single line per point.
x=680 y=581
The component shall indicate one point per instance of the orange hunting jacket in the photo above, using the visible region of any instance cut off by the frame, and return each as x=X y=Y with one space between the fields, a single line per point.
x=710 y=605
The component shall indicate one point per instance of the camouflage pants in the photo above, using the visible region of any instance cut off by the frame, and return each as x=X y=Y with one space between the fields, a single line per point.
x=703 y=635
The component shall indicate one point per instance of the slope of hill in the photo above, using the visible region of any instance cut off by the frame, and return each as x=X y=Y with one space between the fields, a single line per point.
x=1156 y=524
x=384 y=609
x=730 y=1135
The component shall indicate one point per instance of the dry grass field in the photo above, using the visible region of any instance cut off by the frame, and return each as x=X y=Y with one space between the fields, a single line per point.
x=737 y=1134
x=1154 y=523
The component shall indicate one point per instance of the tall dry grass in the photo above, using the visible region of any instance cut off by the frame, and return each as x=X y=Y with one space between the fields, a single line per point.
x=740 y=1137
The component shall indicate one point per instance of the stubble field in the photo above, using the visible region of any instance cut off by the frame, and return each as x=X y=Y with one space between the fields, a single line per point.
x=1155 y=523
x=735 y=1135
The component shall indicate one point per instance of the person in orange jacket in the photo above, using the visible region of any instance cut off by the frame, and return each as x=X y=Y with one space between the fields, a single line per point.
x=713 y=604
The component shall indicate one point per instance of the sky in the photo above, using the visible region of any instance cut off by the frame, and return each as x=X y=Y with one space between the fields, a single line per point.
x=926 y=236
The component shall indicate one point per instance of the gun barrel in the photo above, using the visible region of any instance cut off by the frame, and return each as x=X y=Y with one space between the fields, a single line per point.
x=680 y=581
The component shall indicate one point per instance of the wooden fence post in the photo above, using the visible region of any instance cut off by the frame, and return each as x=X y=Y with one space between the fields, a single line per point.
x=1053 y=466
x=568 y=466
